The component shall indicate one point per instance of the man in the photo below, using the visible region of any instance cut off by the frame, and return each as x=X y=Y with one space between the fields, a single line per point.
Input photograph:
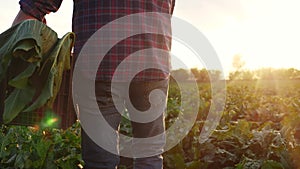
x=88 y=17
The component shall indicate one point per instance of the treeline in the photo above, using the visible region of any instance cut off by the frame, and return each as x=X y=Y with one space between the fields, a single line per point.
x=265 y=74
x=200 y=75
x=204 y=75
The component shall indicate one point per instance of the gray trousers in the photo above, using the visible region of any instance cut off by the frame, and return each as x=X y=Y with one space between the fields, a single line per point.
x=96 y=157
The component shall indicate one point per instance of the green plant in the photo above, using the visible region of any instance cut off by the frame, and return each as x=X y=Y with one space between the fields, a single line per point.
x=27 y=147
x=258 y=130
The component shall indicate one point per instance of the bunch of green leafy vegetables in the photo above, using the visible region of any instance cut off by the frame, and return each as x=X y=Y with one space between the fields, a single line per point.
x=32 y=61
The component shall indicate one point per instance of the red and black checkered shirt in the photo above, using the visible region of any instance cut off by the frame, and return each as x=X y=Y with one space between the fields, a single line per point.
x=90 y=15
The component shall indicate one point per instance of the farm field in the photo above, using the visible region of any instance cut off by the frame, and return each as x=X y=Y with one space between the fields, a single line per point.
x=259 y=128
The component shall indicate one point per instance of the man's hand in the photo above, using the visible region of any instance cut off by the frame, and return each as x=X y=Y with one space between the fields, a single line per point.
x=22 y=17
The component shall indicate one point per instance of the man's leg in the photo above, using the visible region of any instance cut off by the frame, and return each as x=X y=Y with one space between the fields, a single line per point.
x=93 y=155
x=139 y=95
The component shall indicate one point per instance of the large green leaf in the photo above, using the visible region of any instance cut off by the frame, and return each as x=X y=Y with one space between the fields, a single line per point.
x=27 y=50
x=62 y=62
x=21 y=81
x=28 y=40
x=5 y=50
x=16 y=102
x=46 y=93
x=35 y=43
x=58 y=61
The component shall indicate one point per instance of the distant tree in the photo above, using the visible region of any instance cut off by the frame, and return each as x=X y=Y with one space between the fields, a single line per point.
x=237 y=62
x=196 y=73
x=180 y=74
x=279 y=74
x=234 y=75
x=266 y=74
x=293 y=73
x=239 y=72
x=247 y=75
x=204 y=75
x=241 y=75
x=214 y=75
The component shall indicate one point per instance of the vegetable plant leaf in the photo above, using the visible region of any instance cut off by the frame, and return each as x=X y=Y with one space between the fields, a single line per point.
x=16 y=102
x=27 y=50
x=62 y=63
x=57 y=63
x=21 y=81
x=46 y=93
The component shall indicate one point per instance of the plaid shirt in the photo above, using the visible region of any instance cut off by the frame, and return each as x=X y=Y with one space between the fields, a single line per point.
x=91 y=15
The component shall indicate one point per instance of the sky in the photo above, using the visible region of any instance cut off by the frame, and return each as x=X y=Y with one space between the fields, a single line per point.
x=265 y=33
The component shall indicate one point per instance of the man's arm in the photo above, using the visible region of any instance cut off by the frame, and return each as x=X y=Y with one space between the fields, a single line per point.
x=172 y=6
x=36 y=9
x=21 y=17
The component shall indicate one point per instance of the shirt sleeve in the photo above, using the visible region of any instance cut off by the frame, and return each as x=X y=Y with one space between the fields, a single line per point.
x=39 y=8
